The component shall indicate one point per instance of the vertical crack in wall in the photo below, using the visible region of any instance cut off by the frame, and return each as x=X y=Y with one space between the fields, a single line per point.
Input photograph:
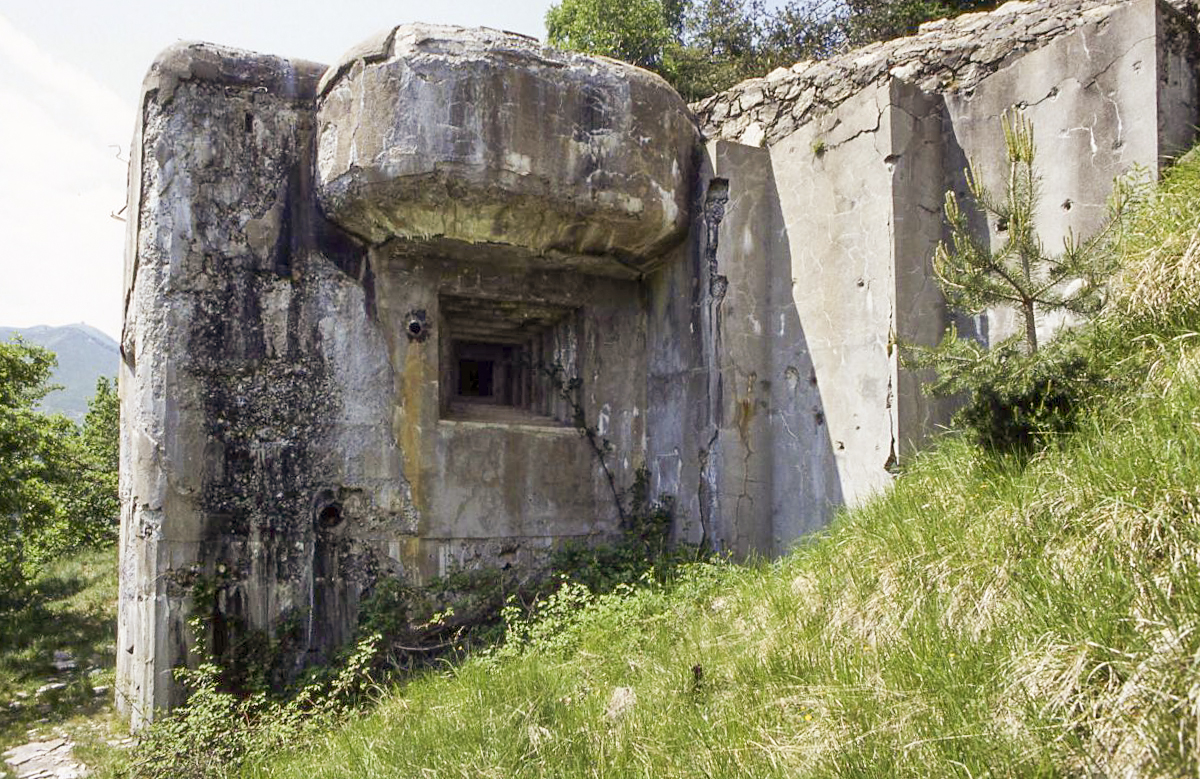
x=745 y=417
x=708 y=495
x=714 y=213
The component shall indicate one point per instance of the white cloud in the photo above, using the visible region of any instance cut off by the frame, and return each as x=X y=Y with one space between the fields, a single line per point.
x=63 y=85
x=60 y=259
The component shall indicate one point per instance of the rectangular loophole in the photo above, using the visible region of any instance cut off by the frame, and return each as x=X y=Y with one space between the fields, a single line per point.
x=505 y=361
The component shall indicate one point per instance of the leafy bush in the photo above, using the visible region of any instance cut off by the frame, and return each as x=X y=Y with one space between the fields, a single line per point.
x=1013 y=401
x=217 y=731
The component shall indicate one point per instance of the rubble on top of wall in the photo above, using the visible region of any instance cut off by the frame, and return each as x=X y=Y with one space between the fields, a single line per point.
x=945 y=55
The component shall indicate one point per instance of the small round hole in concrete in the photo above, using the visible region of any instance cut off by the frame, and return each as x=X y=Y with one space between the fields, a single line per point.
x=416 y=326
x=330 y=516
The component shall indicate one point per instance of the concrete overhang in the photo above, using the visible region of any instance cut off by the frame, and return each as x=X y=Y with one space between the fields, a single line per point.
x=451 y=138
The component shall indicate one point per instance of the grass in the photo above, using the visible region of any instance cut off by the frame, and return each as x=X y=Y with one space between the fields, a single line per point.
x=990 y=616
x=70 y=608
x=983 y=620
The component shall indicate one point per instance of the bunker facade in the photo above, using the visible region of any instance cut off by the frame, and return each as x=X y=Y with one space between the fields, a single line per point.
x=367 y=305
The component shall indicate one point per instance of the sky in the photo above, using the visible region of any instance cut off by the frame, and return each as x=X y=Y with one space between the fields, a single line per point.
x=70 y=76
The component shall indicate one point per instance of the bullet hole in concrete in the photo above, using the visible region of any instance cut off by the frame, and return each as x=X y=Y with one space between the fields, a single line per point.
x=1066 y=204
x=416 y=326
x=1002 y=225
x=330 y=517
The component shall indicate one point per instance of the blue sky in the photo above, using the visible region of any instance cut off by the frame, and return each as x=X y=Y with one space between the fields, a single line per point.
x=70 y=73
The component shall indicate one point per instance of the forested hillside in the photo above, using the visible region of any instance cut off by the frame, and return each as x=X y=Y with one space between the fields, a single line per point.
x=84 y=354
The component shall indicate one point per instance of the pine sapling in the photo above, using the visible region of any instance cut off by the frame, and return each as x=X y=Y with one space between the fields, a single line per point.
x=1014 y=395
x=1019 y=273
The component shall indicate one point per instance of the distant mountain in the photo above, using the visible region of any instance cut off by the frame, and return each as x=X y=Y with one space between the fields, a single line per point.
x=84 y=355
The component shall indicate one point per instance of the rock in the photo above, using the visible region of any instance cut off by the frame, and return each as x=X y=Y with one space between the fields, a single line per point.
x=51 y=759
x=753 y=135
x=45 y=689
x=929 y=58
x=64 y=661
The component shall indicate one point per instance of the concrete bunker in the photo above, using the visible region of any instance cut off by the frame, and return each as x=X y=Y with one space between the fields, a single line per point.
x=346 y=288
x=358 y=296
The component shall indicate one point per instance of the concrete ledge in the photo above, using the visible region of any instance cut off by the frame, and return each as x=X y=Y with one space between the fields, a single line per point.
x=483 y=137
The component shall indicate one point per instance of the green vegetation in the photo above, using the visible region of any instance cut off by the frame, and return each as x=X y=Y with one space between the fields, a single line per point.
x=1020 y=273
x=993 y=615
x=57 y=481
x=69 y=608
x=1013 y=395
x=58 y=527
x=705 y=46
x=240 y=712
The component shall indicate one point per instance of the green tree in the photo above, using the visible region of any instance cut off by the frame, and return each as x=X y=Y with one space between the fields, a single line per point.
x=1020 y=273
x=33 y=458
x=804 y=30
x=90 y=504
x=719 y=44
x=882 y=20
x=1013 y=394
x=58 y=482
x=636 y=31
x=705 y=46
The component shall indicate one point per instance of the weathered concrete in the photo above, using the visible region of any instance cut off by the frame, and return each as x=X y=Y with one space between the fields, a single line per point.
x=292 y=426
x=585 y=160
x=857 y=154
x=349 y=292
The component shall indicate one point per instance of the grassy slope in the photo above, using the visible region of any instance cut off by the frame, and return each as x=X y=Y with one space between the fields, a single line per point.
x=986 y=618
x=979 y=622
